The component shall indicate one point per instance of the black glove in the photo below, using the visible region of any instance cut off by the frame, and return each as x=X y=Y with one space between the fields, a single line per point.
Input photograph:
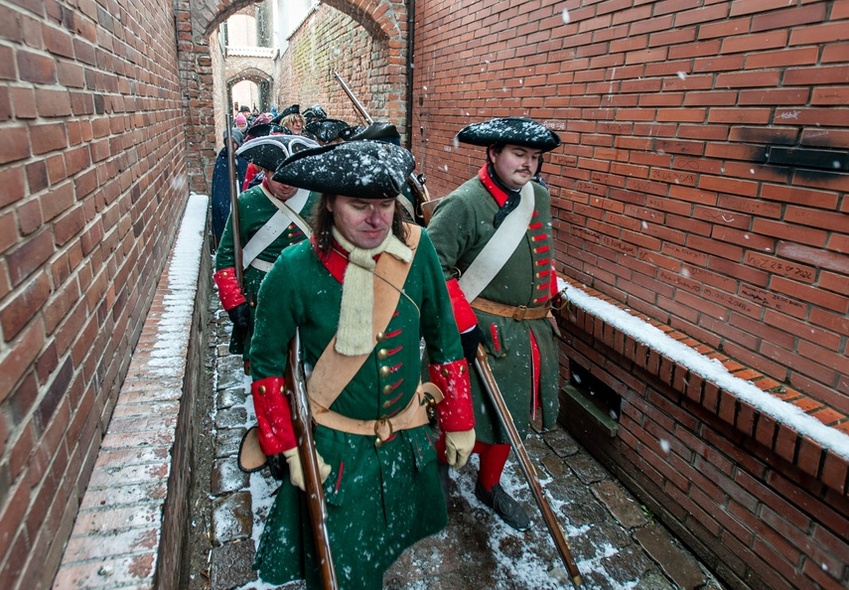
x=240 y=316
x=470 y=341
x=278 y=467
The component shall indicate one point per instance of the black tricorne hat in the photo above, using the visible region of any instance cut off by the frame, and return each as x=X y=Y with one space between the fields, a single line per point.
x=315 y=112
x=270 y=151
x=361 y=169
x=262 y=130
x=513 y=130
x=326 y=130
x=380 y=130
x=292 y=110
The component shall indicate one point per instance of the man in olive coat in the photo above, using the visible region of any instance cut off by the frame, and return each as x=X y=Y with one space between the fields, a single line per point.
x=494 y=241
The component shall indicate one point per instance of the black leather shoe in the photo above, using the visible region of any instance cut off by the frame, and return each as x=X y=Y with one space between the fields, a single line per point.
x=504 y=506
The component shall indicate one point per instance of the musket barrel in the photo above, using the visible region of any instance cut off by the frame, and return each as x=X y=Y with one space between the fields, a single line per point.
x=357 y=104
x=491 y=386
x=415 y=184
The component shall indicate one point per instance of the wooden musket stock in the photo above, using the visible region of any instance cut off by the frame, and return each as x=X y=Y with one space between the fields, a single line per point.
x=302 y=421
x=485 y=373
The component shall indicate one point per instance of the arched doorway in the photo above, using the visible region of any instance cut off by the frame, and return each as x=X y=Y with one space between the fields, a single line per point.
x=379 y=72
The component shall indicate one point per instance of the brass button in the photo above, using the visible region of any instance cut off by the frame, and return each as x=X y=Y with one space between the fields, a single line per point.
x=381 y=336
x=387 y=404
x=388 y=389
x=382 y=354
x=251 y=304
x=444 y=371
x=261 y=390
x=385 y=371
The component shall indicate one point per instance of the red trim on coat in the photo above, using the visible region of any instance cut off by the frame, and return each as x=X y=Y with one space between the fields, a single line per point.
x=464 y=315
x=229 y=291
x=273 y=416
x=497 y=193
x=455 y=412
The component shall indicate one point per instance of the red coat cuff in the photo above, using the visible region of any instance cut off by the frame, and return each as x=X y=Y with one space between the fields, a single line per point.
x=464 y=315
x=229 y=291
x=455 y=412
x=273 y=417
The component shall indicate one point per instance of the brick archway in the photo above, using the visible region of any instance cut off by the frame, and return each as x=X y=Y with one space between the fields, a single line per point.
x=385 y=21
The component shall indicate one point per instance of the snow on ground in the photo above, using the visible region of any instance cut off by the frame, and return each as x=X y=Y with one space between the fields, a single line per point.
x=530 y=569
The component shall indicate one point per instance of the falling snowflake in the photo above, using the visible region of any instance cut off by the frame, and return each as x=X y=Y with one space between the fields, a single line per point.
x=565 y=16
x=664 y=445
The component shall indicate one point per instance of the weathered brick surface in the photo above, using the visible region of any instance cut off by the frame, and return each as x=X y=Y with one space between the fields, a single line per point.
x=709 y=459
x=702 y=183
x=85 y=237
x=133 y=515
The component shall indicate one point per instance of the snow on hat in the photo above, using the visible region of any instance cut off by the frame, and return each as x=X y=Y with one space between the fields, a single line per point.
x=381 y=130
x=513 y=130
x=270 y=151
x=362 y=169
x=326 y=130
x=315 y=112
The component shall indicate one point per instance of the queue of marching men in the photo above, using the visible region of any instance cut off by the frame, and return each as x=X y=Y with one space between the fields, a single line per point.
x=296 y=262
x=313 y=123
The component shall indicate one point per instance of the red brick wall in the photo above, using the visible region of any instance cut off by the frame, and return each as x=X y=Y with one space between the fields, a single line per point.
x=368 y=55
x=702 y=184
x=673 y=188
x=93 y=183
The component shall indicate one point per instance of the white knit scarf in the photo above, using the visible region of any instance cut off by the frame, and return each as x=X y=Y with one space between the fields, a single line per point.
x=354 y=334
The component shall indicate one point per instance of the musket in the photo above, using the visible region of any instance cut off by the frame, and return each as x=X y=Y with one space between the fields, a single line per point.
x=235 y=225
x=296 y=390
x=416 y=183
x=357 y=104
x=491 y=386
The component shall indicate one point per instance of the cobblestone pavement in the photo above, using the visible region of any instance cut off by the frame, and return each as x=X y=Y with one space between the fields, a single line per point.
x=614 y=541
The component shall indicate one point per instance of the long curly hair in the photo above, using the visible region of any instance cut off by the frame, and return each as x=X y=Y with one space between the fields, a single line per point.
x=324 y=222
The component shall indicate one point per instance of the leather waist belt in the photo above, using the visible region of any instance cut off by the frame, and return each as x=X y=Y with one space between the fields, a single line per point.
x=519 y=313
x=415 y=414
x=262 y=265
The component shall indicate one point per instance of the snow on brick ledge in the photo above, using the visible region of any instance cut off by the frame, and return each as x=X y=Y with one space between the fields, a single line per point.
x=796 y=428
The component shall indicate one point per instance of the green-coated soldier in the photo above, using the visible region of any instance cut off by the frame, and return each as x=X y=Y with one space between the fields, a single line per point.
x=371 y=289
x=272 y=216
x=494 y=242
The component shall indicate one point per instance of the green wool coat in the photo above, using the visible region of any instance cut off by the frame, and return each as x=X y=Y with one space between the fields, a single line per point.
x=380 y=500
x=254 y=211
x=460 y=228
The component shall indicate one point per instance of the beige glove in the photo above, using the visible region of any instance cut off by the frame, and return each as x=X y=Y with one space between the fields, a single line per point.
x=296 y=472
x=458 y=447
